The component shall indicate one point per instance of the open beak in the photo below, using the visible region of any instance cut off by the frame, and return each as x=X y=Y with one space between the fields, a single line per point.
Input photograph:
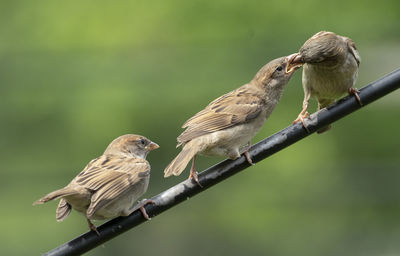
x=294 y=62
x=152 y=146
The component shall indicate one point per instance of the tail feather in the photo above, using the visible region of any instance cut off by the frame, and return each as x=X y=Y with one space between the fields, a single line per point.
x=180 y=162
x=63 y=210
x=323 y=103
x=55 y=195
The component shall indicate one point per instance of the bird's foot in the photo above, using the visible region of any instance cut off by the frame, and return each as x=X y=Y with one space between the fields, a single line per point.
x=246 y=153
x=355 y=91
x=248 y=158
x=194 y=175
x=141 y=204
x=300 y=118
x=92 y=227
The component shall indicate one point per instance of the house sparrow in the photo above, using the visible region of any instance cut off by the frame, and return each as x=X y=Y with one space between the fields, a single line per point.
x=109 y=184
x=232 y=120
x=330 y=69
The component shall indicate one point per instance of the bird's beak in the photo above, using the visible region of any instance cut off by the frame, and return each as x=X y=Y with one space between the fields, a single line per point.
x=152 y=146
x=294 y=62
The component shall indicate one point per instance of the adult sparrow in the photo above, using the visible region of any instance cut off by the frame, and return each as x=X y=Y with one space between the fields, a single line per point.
x=330 y=69
x=232 y=120
x=109 y=184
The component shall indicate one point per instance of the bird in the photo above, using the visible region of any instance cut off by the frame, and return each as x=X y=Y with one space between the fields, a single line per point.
x=109 y=185
x=229 y=122
x=330 y=69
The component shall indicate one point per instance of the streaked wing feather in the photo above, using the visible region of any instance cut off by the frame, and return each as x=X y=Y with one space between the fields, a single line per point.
x=234 y=108
x=110 y=177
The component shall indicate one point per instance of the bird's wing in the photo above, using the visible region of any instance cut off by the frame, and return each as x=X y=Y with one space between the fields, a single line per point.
x=236 y=107
x=109 y=177
x=353 y=50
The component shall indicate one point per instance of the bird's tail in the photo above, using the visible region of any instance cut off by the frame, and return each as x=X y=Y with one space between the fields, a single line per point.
x=63 y=210
x=180 y=162
x=55 y=195
x=323 y=103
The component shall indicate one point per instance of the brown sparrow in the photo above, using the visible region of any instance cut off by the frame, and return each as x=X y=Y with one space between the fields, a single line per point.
x=232 y=120
x=109 y=184
x=330 y=69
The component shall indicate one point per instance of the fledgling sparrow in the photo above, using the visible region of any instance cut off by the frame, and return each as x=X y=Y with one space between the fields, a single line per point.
x=232 y=120
x=109 y=184
x=330 y=70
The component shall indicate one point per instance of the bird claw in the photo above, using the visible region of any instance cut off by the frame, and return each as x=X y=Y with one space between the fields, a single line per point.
x=248 y=158
x=300 y=118
x=92 y=227
x=141 y=205
x=194 y=175
x=247 y=155
x=355 y=91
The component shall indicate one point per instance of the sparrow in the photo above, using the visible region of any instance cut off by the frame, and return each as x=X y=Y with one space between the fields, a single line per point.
x=232 y=120
x=330 y=70
x=109 y=185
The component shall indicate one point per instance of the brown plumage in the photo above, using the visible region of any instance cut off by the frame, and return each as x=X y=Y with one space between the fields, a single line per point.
x=232 y=120
x=330 y=70
x=109 y=184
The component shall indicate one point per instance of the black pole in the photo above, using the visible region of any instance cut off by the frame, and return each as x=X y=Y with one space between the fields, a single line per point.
x=227 y=168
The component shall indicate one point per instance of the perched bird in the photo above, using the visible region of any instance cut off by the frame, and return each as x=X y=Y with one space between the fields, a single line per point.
x=109 y=184
x=232 y=120
x=330 y=69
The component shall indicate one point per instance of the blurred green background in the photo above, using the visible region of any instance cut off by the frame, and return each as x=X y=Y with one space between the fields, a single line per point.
x=74 y=75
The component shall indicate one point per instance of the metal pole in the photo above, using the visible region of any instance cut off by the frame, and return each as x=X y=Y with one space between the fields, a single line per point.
x=227 y=168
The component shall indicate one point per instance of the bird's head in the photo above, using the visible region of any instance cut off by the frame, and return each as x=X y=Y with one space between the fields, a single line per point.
x=276 y=73
x=325 y=49
x=132 y=145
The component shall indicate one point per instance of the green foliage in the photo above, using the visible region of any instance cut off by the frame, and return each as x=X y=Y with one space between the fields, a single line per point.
x=76 y=74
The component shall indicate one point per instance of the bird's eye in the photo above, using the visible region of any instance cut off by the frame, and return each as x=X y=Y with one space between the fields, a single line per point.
x=279 y=68
x=142 y=141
